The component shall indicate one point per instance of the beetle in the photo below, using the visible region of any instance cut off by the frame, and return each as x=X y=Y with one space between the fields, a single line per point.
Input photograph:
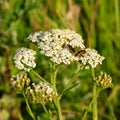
x=79 y=53
x=71 y=48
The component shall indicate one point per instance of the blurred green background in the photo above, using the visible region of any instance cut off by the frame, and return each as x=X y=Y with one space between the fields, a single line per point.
x=97 y=21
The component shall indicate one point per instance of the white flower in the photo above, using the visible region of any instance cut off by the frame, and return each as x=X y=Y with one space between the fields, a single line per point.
x=64 y=56
x=41 y=93
x=24 y=59
x=54 y=44
x=91 y=58
x=34 y=37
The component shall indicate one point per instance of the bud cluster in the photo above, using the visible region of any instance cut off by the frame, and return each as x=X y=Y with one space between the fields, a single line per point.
x=103 y=80
x=19 y=82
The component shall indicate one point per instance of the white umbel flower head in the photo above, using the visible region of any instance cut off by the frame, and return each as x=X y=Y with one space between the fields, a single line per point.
x=25 y=59
x=41 y=93
x=91 y=58
x=54 y=44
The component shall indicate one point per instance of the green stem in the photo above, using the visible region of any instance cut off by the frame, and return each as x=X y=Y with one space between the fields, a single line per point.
x=95 y=111
x=45 y=108
x=87 y=110
x=49 y=114
x=113 y=116
x=70 y=82
x=40 y=77
x=53 y=75
x=28 y=107
x=59 y=108
x=53 y=82
x=20 y=116
x=38 y=118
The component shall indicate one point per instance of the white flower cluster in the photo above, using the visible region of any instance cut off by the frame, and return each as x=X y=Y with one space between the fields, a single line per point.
x=65 y=46
x=37 y=93
x=19 y=82
x=24 y=59
x=41 y=93
x=91 y=58
x=104 y=80
x=54 y=44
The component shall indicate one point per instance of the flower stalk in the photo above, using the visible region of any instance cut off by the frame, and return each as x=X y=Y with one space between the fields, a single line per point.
x=48 y=112
x=87 y=110
x=95 y=111
x=28 y=107
x=70 y=82
x=53 y=82
x=57 y=100
x=41 y=78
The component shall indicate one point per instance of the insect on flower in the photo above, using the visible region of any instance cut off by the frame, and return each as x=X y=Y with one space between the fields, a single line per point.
x=71 y=48
x=79 y=53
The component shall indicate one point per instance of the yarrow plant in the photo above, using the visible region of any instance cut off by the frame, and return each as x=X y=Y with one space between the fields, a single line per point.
x=61 y=47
